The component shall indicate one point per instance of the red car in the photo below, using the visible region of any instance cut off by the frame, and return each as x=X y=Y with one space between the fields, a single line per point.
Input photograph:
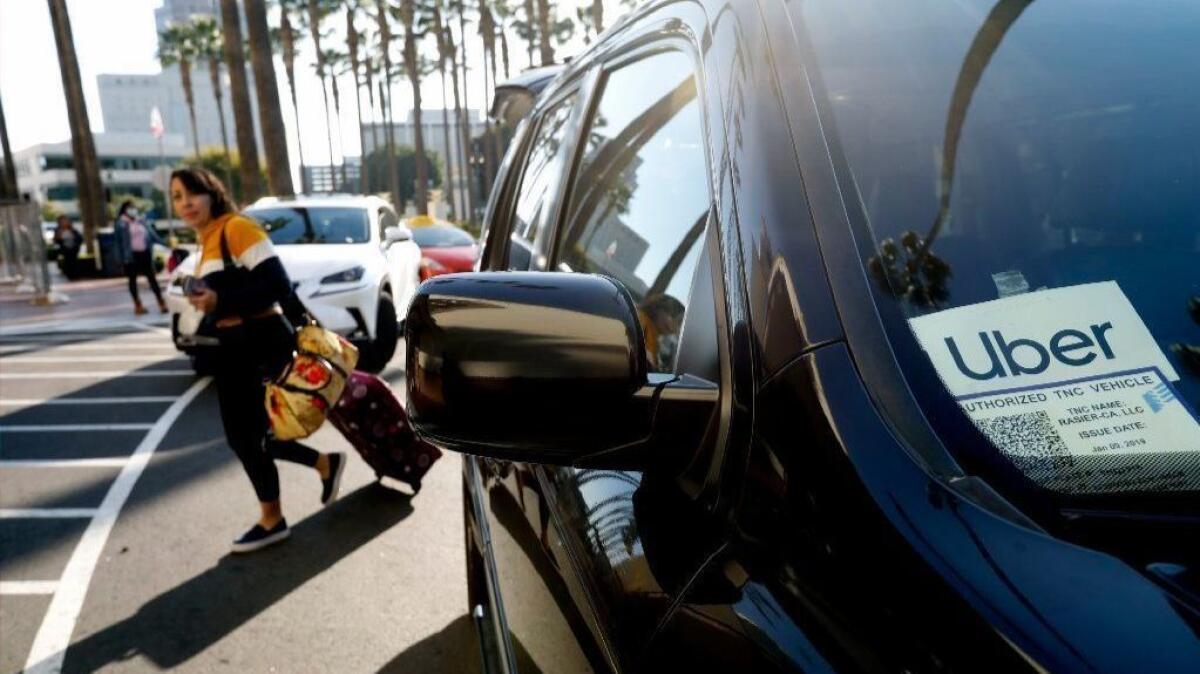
x=445 y=249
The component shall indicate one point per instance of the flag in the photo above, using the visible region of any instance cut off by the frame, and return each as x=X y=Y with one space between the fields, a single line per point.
x=156 y=123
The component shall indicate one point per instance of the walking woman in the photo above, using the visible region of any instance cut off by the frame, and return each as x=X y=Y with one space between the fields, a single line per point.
x=135 y=242
x=240 y=287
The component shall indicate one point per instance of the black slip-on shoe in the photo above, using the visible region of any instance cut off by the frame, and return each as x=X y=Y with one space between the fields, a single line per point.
x=258 y=537
x=330 y=486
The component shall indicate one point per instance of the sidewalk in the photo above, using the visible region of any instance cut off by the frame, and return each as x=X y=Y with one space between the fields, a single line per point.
x=93 y=304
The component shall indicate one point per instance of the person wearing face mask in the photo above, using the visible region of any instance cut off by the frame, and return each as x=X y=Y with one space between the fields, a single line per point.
x=135 y=241
x=241 y=287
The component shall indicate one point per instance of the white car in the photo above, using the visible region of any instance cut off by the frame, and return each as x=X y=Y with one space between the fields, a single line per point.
x=353 y=265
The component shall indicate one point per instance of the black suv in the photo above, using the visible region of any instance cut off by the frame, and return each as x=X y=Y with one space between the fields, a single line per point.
x=837 y=335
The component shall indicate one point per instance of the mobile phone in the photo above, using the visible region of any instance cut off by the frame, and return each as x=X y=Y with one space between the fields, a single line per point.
x=194 y=285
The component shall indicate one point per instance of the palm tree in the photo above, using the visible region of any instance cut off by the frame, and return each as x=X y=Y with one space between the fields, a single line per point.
x=487 y=32
x=317 y=10
x=527 y=28
x=279 y=168
x=445 y=49
x=414 y=66
x=177 y=46
x=208 y=47
x=243 y=115
x=465 y=129
x=544 y=25
x=353 y=39
x=504 y=16
x=83 y=146
x=8 y=183
x=287 y=42
x=372 y=67
x=337 y=62
x=385 y=50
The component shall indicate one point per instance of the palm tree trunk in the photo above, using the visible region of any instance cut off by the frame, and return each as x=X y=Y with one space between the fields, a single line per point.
x=352 y=46
x=337 y=120
x=370 y=72
x=270 y=117
x=385 y=43
x=598 y=16
x=532 y=22
x=544 y=23
x=460 y=121
x=289 y=69
x=243 y=116
x=413 y=66
x=447 y=180
x=83 y=146
x=504 y=50
x=466 y=107
x=8 y=186
x=185 y=76
x=214 y=75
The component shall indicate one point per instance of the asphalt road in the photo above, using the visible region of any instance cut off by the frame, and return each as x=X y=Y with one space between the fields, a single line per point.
x=118 y=501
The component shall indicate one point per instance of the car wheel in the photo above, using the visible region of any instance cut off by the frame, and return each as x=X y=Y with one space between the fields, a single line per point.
x=380 y=350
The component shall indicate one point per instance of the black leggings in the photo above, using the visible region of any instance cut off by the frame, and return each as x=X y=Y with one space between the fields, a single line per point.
x=142 y=264
x=250 y=352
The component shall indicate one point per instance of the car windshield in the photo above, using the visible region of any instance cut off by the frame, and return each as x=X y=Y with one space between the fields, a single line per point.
x=322 y=224
x=1024 y=183
x=441 y=236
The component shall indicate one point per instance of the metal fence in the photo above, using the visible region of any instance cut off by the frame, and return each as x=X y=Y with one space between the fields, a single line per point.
x=23 y=259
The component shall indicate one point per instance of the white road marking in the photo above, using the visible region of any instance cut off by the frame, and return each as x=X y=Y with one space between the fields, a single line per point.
x=28 y=586
x=46 y=513
x=96 y=375
x=72 y=428
x=115 y=462
x=53 y=637
x=88 y=359
x=17 y=402
x=88 y=348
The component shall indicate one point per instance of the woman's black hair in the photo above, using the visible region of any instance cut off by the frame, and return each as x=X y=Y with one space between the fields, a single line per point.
x=125 y=205
x=201 y=181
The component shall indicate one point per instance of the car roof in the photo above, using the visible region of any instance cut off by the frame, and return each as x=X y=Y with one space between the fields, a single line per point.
x=315 y=200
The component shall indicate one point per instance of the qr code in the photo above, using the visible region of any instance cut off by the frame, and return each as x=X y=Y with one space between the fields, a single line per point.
x=1030 y=436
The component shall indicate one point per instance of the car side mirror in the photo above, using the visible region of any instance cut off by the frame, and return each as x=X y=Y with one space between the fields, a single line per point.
x=541 y=367
x=396 y=234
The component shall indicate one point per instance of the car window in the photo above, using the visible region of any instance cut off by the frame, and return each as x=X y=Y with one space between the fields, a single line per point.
x=386 y=219
x=439 y=236
x=300 y=225
x=535 y=192
x=640 y=201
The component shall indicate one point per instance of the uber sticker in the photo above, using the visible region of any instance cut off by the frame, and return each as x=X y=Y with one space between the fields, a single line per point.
x=1064 y=375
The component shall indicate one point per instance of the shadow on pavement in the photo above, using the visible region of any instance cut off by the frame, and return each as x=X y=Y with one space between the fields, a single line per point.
x=180 y=623
x=454 y=650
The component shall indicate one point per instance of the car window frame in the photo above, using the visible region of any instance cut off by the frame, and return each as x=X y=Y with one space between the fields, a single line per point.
x=578 y=86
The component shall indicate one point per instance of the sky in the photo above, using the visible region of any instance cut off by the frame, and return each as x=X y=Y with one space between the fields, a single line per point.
x=118 y=36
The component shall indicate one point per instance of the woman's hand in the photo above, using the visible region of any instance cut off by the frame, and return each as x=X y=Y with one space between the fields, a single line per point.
x=205 y=301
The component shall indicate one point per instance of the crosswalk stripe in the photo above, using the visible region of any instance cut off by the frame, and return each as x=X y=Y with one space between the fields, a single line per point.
x=46 y=513
x=28 y=586
x=72 y=428
x=96 y=375
x=114 y=462
x=16 y=360
x=21 y=402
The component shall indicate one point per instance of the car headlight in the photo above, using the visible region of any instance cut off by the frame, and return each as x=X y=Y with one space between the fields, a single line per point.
x=349 y=276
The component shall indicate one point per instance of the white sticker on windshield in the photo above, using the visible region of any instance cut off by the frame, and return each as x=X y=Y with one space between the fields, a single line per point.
x=1065 y=376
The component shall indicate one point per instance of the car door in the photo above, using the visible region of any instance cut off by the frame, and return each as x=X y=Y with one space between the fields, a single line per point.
x=607 y=551
x=403 y=262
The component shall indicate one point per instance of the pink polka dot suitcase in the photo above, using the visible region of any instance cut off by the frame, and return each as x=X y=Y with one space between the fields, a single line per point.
x=371 y=417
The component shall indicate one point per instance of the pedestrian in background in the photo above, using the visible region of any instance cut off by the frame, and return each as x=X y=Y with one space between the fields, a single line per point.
x=135 y=242
x=68 y=242
x=241 y=289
